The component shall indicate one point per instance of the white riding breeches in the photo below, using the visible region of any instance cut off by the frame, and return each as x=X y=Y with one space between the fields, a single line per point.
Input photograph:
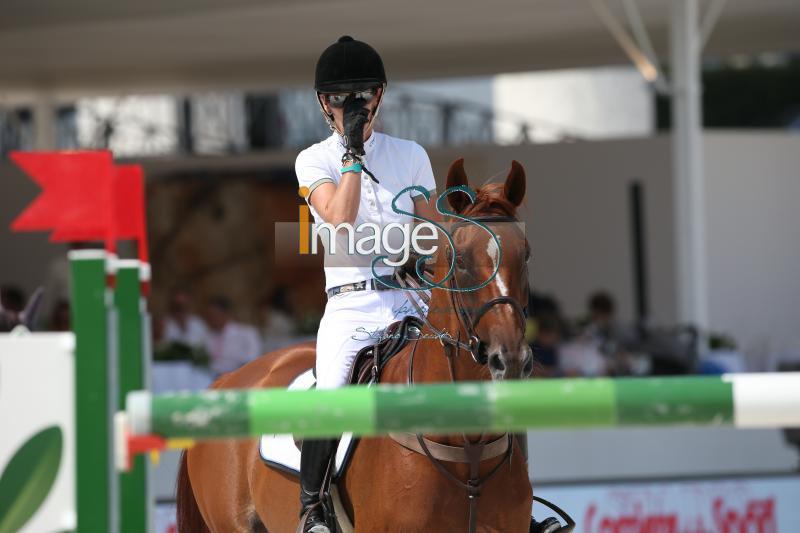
x=351 y=321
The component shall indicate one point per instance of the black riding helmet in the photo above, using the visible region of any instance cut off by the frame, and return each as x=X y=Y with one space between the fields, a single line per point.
x=348 y=65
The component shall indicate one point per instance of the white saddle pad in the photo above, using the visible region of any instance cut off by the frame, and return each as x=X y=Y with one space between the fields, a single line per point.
x=280 y=451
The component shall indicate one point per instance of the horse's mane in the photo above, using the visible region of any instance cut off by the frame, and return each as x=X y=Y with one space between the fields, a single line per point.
x=490 y=200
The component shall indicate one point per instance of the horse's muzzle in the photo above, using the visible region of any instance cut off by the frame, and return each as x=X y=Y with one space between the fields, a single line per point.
x=506 y=364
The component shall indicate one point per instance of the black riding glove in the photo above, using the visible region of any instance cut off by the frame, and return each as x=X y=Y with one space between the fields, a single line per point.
x=409 y=268
x=355 y=118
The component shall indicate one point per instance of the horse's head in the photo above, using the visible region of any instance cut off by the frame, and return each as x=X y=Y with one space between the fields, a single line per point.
x=496 y=267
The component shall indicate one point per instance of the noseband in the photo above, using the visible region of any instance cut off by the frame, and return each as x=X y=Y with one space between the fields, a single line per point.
x=474 y=345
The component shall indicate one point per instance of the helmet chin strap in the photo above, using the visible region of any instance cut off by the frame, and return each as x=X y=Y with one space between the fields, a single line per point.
x=328 y=116
x=377 y=107
x=332 y=123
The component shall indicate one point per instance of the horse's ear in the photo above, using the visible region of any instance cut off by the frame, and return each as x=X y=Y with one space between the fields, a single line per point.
x=515 y=184
x=455 y=177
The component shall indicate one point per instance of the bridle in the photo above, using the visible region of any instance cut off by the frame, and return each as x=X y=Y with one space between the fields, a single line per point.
x=474 y=345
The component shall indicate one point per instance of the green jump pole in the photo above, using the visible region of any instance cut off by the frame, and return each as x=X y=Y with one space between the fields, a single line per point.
x=131 y=329
x=93 y=447
x=747 y=400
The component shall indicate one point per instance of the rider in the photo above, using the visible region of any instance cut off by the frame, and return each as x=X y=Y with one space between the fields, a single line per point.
x=352 y=177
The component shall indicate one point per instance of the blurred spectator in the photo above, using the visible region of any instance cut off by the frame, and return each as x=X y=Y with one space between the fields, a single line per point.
x=278 y=326
x=11 y=306
x=60 y=317
x=230 y=344
x=157 y=327
x=56 y=287
x=601 y=313
x=12 y=302
x=581 y=357
x=56 y=282
x=603 y=330
x=546 y=344
x=542 y=304
x=607 y=335
x=15 y=312
x=181 y=325
x=176 y=350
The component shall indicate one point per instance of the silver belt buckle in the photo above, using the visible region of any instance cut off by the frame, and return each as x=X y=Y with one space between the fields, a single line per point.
x=350 y=287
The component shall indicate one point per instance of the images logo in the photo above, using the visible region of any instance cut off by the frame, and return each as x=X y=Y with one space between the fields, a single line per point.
x=380 y=242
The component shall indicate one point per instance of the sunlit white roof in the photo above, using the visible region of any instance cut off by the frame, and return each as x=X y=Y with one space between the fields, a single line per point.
x=144 y=45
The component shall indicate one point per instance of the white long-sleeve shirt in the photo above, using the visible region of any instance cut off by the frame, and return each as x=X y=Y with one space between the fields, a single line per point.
x=232 y=347
x=194 y=334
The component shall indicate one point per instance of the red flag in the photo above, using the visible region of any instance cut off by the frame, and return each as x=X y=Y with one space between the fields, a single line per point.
x=129 y=213
x=85 y=197
x=75 y=191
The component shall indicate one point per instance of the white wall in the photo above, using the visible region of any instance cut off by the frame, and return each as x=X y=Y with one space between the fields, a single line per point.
x=576 y=212
x=753 y=221
x=578 y=226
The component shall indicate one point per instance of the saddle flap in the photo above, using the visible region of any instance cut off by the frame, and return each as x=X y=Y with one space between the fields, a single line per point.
x=282 y=452
x=370 y=360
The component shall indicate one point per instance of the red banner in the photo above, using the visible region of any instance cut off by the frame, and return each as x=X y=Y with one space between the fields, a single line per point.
x=85 y=197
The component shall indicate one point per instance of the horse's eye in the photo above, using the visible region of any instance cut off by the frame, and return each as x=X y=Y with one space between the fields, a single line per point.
x=460 y=263
x=527 y=254
x=459 y=258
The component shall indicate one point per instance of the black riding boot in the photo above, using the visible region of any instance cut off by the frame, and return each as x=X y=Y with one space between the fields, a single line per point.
x=314 y=457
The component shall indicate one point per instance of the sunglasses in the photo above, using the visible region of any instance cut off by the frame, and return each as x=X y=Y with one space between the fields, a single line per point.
x=337 y=100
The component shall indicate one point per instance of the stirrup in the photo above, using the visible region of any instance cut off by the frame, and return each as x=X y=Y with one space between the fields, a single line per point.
x=551 y=524
x=548 y=525
x=319 y=525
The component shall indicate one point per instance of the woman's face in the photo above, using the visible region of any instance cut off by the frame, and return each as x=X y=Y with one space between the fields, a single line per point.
x=338 y=113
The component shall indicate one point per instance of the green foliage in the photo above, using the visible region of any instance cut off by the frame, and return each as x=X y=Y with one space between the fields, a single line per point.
x=179 y=351
x=308 y=324
x=721 y=341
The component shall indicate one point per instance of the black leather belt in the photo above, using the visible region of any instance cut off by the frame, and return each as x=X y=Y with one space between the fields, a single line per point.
x=371 y=283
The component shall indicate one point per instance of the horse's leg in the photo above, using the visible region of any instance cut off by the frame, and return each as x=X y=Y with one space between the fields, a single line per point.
x=188 y=513
x=219 y=478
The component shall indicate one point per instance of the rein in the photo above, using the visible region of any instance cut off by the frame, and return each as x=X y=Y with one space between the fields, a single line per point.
x=471 y=452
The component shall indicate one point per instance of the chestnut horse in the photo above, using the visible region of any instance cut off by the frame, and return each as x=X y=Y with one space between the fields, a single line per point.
x=224 y=487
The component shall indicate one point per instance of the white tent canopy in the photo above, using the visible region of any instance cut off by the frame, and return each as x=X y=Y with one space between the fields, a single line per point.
x=96 y=46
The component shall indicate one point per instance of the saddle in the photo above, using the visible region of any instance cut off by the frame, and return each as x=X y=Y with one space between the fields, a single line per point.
x=370 y=360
